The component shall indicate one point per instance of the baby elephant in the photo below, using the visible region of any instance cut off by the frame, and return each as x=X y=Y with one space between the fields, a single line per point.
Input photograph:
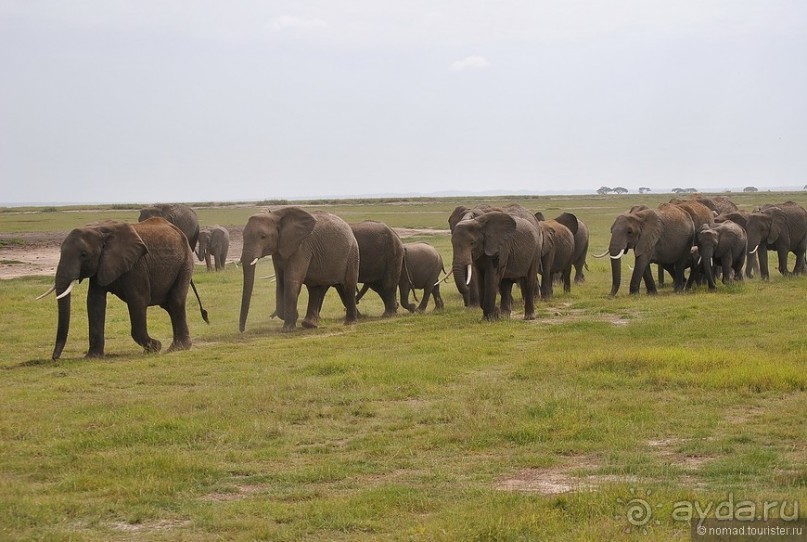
x=722 y=245
x=421 y=270
x=215 y=242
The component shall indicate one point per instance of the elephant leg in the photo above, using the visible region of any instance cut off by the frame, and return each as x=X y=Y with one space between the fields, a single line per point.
x=529 y=287
x=291 y=292
x=782 y=254
x=208 y=263
x=364 y=288
x=579 y=277
x=506 y=293
x=404 y=296
x=438 y=299
x=762 y=253
x=567 y=280
x=175 y=307
x=347 y=292
x=640 y=270
x=316 y=296
x=678 y=276
x=387 y=294
x=96 y=317
x=137 y=317
x=660 y=276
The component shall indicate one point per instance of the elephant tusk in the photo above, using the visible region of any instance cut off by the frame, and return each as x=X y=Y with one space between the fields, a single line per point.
x=601 y=255
x=618 y=256
x=755 y=249
x=253 y=262
x=67 y=291
x=444 y=278
x=52 y=289
x=698 y=262
x=469 y=272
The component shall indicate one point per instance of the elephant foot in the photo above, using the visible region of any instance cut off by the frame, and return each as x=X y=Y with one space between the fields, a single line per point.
x=389 y=314
x=94 y=354
x=350 y=321
x=180 y=345
x=530 y=316
x=288 y=328
x=153 y=346
x=309 y=324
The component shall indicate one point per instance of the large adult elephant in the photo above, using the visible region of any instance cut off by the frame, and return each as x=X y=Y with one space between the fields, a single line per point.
x=558 y=250
x=782 y=228
x=471 y=291
x=663 y=235
x=718 y=204
x=421 y=269
x=182 y=216
x=724 y=244
x=143 y=264
x=214 y=244
x=500 y=250
x=316 y=249
x=381 y=255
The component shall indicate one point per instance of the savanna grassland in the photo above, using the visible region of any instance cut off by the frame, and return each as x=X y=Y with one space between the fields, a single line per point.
x=433 y=426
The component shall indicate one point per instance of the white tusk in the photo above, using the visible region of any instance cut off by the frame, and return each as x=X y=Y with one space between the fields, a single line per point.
x=618 y=256
x=469 y=272
x=67 y=291
x=600 y=255
x=755 y=249
x=253 y=262
x=52 y=288
x=698 y=262
x=444 y=278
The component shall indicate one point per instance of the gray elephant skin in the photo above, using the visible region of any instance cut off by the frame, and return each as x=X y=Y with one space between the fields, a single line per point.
x=471 y=292
x=214 y=244
x=143 y=264
x=558 y=252
x=724 y=245
x=783 y=228
x=316 y=249
x=181 y=216
x=381 y=255
x=501 y=250
x=421 y=270
x=664 y=235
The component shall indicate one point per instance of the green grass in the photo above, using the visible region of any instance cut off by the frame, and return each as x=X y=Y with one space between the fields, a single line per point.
x=422 y=427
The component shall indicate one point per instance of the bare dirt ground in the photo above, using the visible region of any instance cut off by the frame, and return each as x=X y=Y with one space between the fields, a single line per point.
x=37 y=253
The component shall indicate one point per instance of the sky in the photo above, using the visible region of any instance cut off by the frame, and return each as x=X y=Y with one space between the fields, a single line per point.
x=105 y=101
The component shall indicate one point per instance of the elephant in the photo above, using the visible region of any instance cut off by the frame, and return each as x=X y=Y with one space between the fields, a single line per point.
x=421 y=270
x=470 y=291
x=701 y=214
x=143 y=264
x=501 y=250
x=316 y=249
x=177 y=214
x=381 y=255
x=718 y=204
x=740 y=218
x=663 y=235
x=723 y=244
x=558 y=250
x=581 y=242
x=782 y=228
x=213 y=242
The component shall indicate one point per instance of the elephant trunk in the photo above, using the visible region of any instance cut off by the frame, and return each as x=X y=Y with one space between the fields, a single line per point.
x=616 y=275
x=62 y=287
x=246 y=294
x=707 y=260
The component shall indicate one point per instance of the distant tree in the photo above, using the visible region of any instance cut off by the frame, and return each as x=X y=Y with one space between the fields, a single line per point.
x=690 y=190
x=805 y=187
x=620 y=190
x=603 y=190
x=750 y=189
x=643 y=190
x=678 y=190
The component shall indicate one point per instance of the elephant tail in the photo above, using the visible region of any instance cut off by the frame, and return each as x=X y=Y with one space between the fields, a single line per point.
x=409 y=278
x=199 y=299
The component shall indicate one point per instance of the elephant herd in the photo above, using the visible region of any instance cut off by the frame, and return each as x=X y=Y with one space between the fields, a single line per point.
x=151 y=262
x=707 y=236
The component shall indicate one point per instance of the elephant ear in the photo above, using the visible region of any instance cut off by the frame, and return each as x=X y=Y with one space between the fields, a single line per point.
x=122 y=248
x=570 y=221
x=498 y=229
x=539 y=216
x=294 y=225
x=778 y=224
x=649 y=224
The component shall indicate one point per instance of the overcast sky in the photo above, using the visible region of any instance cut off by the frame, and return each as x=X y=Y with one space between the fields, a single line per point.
x=167 y=100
